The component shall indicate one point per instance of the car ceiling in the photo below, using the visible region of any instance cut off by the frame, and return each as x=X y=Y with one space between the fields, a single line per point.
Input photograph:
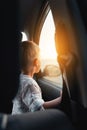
x=29 y=13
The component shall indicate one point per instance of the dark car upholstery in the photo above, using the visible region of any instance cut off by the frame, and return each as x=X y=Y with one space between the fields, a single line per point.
x=51 y=119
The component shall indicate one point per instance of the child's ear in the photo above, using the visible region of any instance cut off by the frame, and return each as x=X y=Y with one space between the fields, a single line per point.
x=36 y=62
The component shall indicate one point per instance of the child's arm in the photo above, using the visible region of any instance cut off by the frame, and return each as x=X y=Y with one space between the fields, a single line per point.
x=53 y=103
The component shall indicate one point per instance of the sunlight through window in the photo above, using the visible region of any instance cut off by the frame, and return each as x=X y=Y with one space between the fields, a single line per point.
x=47 y=39
x=24 y=37
x=47 y=42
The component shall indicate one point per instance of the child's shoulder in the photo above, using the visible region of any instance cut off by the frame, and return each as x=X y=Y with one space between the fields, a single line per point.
x=27 y=79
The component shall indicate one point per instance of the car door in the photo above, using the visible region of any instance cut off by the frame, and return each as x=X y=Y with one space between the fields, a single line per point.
x=71 y=38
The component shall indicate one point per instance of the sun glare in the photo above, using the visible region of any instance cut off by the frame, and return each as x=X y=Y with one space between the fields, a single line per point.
x=47 y=42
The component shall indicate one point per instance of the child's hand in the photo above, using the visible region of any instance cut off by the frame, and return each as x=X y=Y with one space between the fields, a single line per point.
x=60 y=96
x=61 y=93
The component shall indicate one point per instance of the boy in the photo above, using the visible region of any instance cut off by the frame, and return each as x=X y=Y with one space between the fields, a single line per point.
x=29 y=97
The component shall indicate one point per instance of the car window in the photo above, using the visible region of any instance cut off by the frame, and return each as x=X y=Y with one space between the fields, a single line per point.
x=49 y=65
x=24 y=36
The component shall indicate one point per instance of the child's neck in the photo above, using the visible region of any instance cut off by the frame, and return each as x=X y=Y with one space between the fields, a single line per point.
x=30 y=74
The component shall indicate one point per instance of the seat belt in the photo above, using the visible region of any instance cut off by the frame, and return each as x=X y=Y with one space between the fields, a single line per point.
x=64 y=76
x=72 y=106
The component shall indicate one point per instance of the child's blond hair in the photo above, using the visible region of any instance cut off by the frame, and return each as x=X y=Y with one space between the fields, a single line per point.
x=29 y=51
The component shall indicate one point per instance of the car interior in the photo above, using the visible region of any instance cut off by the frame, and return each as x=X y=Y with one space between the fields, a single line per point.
x=68 y=75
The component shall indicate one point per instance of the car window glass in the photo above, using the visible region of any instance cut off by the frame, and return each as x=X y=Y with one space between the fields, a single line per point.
x=49 y=65
x=24 y=36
